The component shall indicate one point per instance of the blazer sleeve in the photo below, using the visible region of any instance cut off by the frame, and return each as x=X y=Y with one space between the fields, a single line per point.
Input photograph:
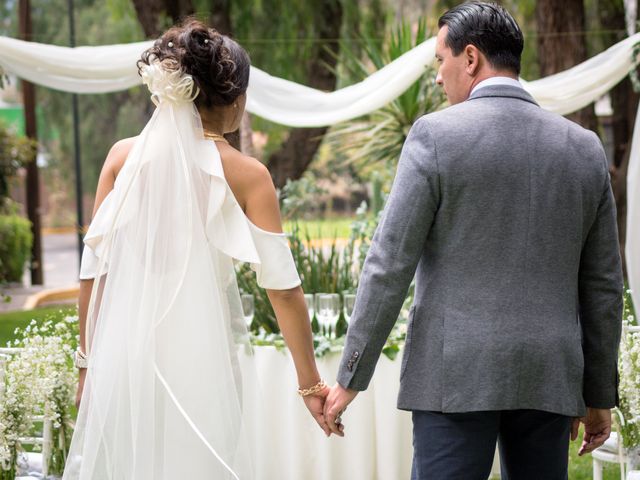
x=392 y=260
x=600 y=292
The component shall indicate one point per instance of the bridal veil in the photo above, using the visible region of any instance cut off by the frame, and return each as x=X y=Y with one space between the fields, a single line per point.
x=170 y=388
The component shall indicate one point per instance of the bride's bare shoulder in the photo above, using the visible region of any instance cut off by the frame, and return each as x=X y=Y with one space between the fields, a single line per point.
x=115 y=160
x=244 y=173
x=118 y=155
x=251 y=183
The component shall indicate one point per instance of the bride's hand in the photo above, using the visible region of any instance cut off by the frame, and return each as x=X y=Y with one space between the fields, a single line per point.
x=81 y=377
x=315 y=405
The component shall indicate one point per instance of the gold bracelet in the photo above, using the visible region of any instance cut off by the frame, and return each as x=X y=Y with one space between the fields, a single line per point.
x=318 y=387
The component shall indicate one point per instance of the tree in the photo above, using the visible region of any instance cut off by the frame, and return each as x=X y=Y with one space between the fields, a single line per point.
x=152 y=14
x=296 y=153
x=562 y=45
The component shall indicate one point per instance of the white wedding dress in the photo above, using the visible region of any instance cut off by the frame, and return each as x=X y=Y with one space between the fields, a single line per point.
x=170 y=388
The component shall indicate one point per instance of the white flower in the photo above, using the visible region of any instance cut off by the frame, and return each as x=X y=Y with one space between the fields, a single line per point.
x=167 y=84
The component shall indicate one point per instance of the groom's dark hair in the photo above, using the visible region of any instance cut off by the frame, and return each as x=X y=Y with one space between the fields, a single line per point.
x=490 y=28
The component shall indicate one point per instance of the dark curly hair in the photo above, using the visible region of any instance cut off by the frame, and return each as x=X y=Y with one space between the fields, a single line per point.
x=219 y=65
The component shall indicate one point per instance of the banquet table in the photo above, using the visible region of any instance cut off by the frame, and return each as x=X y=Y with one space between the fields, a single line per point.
x=378 y=436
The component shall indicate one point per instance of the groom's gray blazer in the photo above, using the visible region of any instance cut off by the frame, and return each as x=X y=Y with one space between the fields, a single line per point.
x=507 y=213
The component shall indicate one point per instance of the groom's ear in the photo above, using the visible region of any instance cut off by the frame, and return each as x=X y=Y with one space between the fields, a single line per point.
x=472 y=59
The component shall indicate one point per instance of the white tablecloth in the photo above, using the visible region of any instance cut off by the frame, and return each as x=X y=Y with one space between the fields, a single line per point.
x=378 y=440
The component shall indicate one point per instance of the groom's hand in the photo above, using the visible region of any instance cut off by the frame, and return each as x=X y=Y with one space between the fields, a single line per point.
x=597 y=428
x=335 y=404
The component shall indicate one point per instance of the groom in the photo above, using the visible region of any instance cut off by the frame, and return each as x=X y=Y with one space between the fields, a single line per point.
x=507 y=214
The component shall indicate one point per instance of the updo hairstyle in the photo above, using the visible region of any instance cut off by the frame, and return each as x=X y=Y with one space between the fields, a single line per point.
x=219 y=65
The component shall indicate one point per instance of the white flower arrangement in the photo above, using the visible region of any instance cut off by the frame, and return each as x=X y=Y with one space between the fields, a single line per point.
x=629 y=387
x=40 y=379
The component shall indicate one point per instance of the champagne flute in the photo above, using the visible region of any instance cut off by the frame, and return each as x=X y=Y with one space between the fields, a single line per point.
x=349 y=303
x=248 y=308
x=308 y=299
x=328 y=311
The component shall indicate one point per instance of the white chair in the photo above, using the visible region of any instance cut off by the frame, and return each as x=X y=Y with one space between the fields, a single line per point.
x=612 y=451
x=32 y=462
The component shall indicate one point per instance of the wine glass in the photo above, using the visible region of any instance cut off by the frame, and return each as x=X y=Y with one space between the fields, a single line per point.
x=248 y=308
x=308 y=299
x=349 y=303
x=328 y=310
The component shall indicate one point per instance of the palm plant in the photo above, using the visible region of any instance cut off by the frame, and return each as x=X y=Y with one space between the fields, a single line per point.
x=375 y=140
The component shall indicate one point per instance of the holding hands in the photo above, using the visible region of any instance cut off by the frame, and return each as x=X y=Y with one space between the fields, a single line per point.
x=334 y=406
x=326 y=405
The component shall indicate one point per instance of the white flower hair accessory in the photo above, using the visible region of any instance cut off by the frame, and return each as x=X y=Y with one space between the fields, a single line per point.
x=168 y=85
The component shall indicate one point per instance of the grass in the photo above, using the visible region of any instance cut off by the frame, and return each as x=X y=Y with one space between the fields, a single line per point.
x=339 y=227
x=581 y=468
x=19 y=319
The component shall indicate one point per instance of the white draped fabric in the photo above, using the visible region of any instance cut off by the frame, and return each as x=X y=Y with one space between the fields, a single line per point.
x=111 y=68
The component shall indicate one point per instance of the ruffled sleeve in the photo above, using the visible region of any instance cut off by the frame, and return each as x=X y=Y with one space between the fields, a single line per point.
x=93 y=249
x=88 y=264
x=276 y=269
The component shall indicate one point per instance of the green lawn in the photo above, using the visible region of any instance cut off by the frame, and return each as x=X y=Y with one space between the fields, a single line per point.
x=324 y=228
x=20 y=318
x=580 y=468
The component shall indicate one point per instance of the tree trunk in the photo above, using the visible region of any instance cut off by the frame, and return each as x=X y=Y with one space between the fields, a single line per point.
x=624 y=102
x=562 y=44
x=246 y=135
x=296 y=153
x=220 y=16
x=149 y=12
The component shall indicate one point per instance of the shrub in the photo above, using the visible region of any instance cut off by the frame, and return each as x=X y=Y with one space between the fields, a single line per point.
x=15 y=246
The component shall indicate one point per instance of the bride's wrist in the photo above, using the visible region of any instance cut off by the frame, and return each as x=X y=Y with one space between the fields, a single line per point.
x=311 y=390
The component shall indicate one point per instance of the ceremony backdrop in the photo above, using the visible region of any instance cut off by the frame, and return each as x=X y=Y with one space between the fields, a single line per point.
x=113 y=67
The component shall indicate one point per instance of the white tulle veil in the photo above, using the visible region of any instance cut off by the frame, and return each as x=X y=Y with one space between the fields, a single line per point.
x=169 y=389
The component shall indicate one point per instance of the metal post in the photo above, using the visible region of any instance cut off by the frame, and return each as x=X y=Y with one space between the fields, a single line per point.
x=76 y=143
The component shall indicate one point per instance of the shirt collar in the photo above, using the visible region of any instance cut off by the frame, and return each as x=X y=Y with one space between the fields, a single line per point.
x=496 y=81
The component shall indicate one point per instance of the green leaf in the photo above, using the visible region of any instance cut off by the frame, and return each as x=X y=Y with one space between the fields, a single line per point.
x=391 y=351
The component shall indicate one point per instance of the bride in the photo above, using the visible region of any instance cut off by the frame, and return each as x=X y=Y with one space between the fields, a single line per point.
x=166 y=387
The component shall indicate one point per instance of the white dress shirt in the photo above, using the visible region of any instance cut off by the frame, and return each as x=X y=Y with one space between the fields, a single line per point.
x=489 y=82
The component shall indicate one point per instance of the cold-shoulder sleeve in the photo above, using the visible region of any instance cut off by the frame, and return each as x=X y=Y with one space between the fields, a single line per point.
x=88 y=264
x=276 y=269
x=93 y=248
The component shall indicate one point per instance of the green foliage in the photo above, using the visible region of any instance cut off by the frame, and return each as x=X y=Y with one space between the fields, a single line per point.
x=15 y=247
x=374 y=142
x=15 y=152
x=299 y=197
x=322 y=268
x=633 y=73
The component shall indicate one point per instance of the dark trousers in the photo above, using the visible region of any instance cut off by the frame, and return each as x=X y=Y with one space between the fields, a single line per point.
x=450 y=446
